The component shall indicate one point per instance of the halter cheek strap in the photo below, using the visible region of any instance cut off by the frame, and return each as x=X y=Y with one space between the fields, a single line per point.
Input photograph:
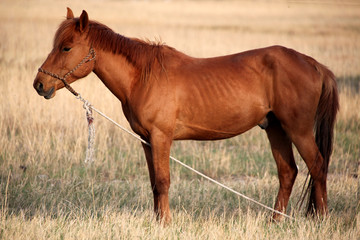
x=91 y=56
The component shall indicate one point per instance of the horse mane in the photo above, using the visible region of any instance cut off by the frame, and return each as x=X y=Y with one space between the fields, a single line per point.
x=141 y=54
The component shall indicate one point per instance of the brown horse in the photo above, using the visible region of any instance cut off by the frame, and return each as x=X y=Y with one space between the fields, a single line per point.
x=167 y=95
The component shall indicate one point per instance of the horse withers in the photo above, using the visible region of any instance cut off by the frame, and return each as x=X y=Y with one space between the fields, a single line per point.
x=167 y=95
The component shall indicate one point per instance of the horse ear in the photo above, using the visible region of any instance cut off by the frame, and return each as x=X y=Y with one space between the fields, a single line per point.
x=70 y=14
x=83 y=21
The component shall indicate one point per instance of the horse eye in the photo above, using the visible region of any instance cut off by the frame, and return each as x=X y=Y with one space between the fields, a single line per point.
x=66 y=49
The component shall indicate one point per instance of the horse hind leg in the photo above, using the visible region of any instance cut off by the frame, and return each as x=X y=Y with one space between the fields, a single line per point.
x=306 y=145
x=281 y=147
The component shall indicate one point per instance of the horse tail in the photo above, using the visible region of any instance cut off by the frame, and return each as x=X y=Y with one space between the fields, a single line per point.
x=326 y=114
x=327 y=109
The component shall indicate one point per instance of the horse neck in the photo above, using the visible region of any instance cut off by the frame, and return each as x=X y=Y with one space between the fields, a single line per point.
x=116 y=73
x=122 y=61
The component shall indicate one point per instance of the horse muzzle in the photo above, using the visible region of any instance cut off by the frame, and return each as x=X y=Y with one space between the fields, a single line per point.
x=39 y=87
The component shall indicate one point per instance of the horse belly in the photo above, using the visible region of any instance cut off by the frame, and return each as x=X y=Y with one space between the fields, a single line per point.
x=218 y=122
x=196 y=132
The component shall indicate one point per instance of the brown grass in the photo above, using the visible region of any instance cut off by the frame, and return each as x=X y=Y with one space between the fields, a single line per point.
x=59 y=197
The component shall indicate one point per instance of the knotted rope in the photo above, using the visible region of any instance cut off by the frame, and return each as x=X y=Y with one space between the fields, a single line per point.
x=91 y=130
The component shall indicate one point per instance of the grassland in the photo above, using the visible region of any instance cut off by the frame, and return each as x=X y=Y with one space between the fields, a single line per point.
x=48 y=192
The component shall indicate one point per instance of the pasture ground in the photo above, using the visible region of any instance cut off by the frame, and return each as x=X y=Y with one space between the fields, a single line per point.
x=48 y=192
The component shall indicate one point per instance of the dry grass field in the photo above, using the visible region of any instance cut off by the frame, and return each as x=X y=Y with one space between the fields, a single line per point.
x=48 y=192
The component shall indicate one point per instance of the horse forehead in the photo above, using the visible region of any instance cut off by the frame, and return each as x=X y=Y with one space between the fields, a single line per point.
x=65 y=33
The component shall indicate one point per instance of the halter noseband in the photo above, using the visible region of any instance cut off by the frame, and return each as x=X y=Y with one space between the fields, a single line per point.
x=91 y=56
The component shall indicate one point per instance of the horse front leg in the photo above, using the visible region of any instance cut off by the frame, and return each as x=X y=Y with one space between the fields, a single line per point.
x=157 y=158
x=149 y=161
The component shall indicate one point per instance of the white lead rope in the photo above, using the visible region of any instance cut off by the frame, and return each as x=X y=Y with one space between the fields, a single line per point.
x=91 y=131
x=90 y=151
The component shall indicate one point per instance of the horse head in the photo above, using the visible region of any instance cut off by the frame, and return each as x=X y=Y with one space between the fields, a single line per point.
x=70 y=58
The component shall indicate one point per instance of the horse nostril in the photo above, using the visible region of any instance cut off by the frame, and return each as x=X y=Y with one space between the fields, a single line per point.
x=39 y=87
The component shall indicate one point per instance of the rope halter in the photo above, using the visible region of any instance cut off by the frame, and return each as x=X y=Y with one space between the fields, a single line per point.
x=91 y=56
